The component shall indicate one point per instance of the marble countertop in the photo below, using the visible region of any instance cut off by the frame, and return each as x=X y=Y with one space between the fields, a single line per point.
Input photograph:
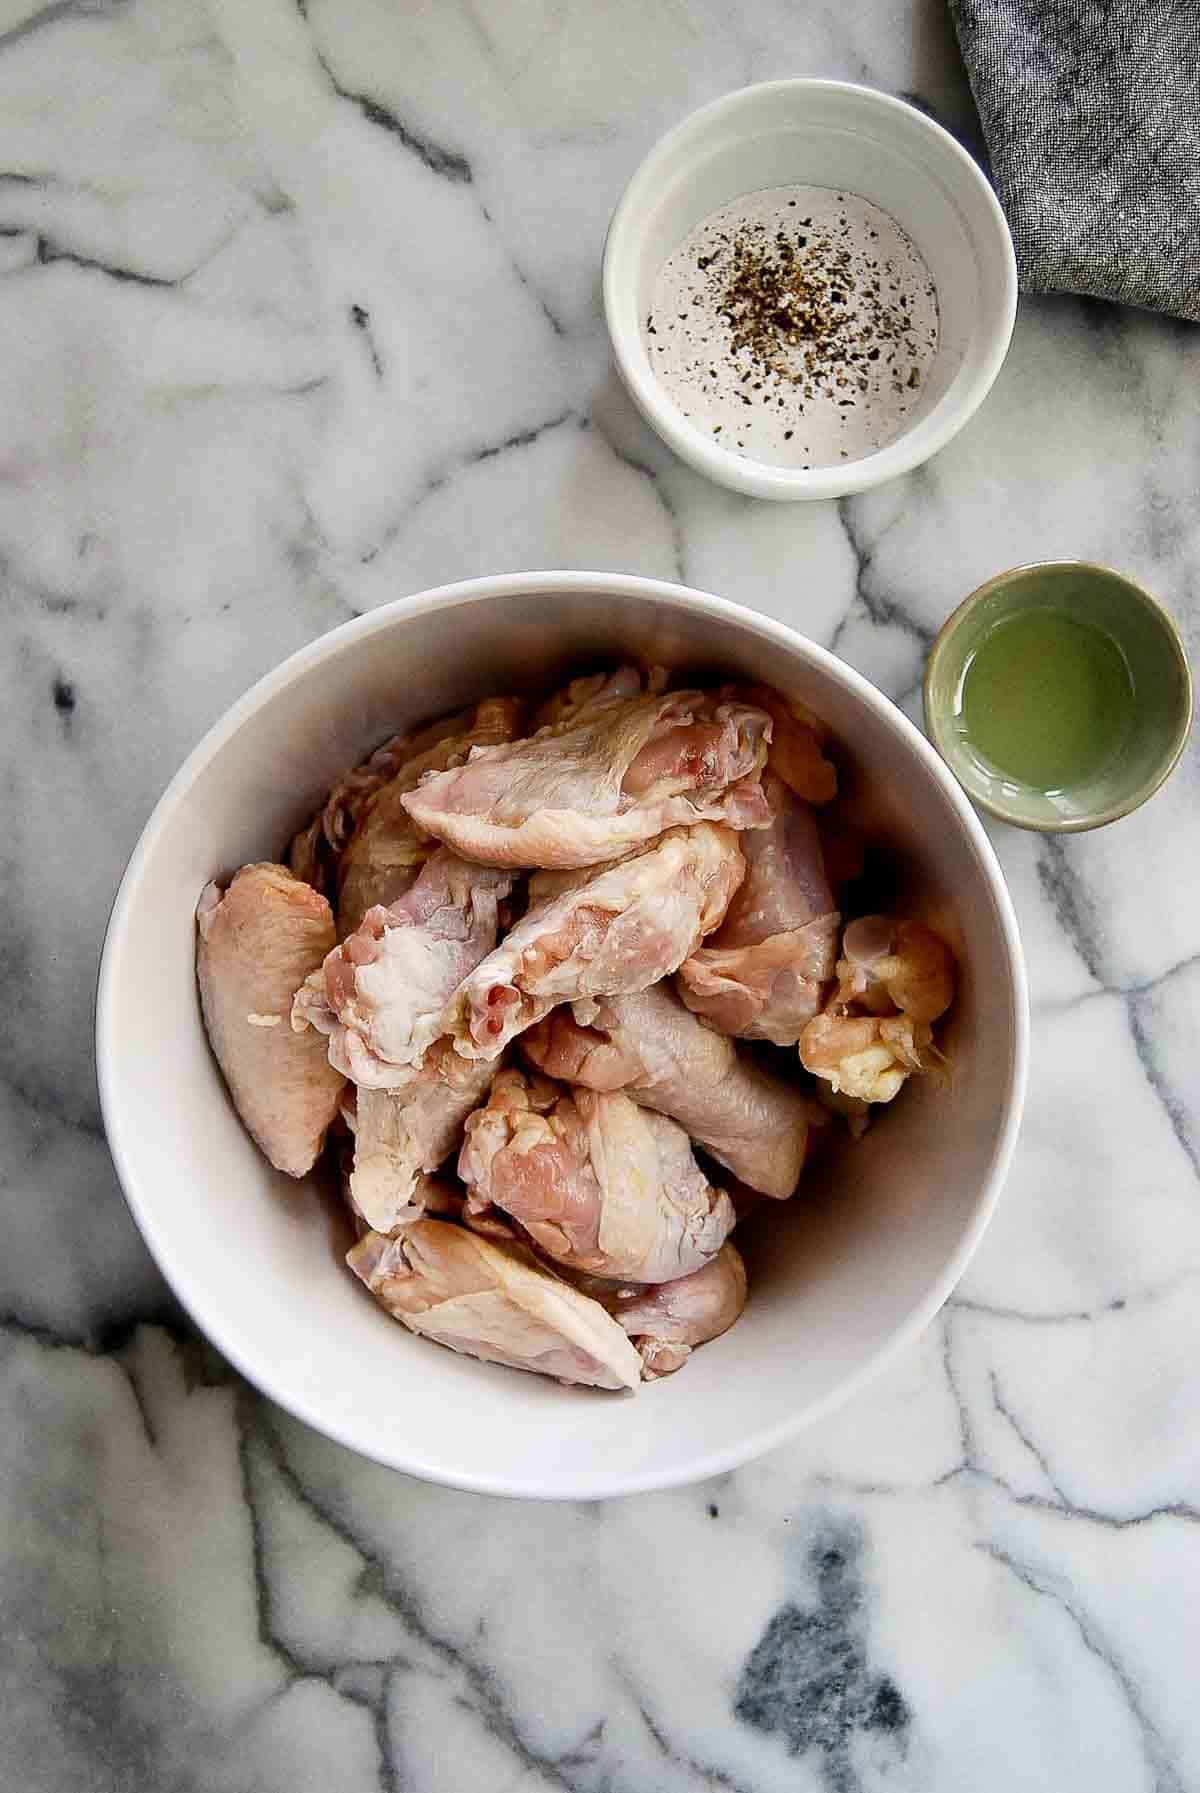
x=298 y=313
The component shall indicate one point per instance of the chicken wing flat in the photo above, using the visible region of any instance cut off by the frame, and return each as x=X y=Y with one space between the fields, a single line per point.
x=257 y=943
x=618 y=930
x=400 y=1134
x=665 y=1321
x=668 y=1321
x=767 y=969
x=439 y=1197
x=652 y=1048
x=315 y=853
x=386 y=850
x=492 y=1300
x=598 y=1184
x=623 y=774
x=379 y=996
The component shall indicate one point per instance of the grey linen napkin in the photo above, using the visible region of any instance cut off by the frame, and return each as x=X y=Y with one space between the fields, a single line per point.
x=1091 y=111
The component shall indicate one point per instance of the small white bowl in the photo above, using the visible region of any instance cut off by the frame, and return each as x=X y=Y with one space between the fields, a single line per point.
x=840 y=1277
x=856 y=140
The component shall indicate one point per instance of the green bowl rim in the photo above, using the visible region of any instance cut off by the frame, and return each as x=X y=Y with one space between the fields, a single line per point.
x=1116 y=811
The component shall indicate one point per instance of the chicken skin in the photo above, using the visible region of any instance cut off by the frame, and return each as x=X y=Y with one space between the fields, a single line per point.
x=258 y=941
x=379 y=996
x=316 y=850
x=598 y=1184
x=667 y=1322
x=315 y=853
x=766 y=970
x=570 y=706
x=386 y=850
x=620 y=929
x=649 y=1046
x=623 y=774
x=492 y=1300
x=401 y=1133
x=797 y=742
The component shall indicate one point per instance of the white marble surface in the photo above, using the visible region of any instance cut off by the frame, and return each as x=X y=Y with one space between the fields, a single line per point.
x=298 y=312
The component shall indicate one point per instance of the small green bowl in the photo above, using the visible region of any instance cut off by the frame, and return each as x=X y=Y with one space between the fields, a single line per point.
x=1159 y=709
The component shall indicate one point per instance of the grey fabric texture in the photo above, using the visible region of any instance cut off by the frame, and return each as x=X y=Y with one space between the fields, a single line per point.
x=1091 y=112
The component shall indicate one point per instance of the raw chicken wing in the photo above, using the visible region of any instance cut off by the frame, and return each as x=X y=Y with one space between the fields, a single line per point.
x=649 y=1046
x=380 y=995
x=867 y=1057
x=387 y=850
x=667 y=1322
x=622 y=775
x=894 y=979
x=763 y=974
x=619 y=929
x=888 y=965
x=493 y=1301
x=402 y=1133
x=433 y=1195
x=797 y=742
x=596 y=1182
x=582 y=697
x=316 y=851
x=258 y=942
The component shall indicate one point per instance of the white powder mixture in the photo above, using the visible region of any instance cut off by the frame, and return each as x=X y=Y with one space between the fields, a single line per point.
x=795 y=326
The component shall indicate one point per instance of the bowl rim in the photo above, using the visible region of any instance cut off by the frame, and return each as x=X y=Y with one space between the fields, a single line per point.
x=1142 y=793
x=190 y=1292
x=760 y=478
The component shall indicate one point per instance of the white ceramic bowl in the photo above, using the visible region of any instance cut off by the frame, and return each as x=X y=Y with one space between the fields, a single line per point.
x=822 y=134
x=841 y=1276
